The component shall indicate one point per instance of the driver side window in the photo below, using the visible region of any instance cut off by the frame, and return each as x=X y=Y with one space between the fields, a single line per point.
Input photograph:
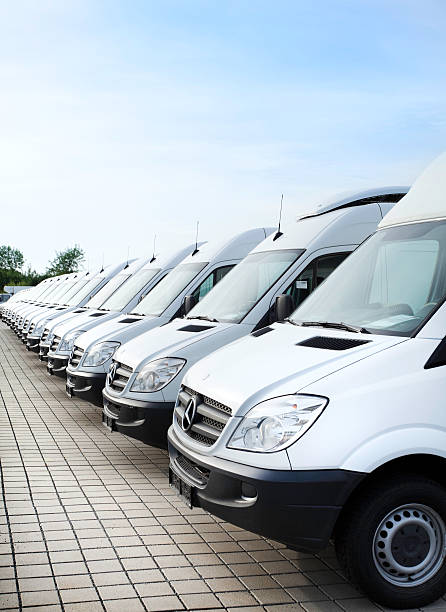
x=210 y=281
x=313 y=275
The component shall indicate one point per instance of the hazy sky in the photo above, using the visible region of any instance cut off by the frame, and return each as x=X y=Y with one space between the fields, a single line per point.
x=121 y=119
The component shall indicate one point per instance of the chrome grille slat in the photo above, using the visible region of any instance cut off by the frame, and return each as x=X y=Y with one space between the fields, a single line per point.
x=210 y=419
x=76 y=356
x=122 y=375
x=55 y=343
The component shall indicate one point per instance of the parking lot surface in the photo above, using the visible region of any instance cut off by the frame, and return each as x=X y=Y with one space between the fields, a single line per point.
x=88 y=521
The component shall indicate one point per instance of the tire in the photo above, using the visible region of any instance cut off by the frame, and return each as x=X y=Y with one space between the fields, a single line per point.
x=394 y=526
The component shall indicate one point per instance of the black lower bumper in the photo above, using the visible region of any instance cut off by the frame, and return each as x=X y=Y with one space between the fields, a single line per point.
x=88 y=386
x=145 y=421
x=57 y=365
x=43 y=352
x=298 y=508
x=32 y=344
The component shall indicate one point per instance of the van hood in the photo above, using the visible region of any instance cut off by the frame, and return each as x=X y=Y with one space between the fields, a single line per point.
x=107 y=330
x=80 y=320
x=171 y=339
x=275 y=363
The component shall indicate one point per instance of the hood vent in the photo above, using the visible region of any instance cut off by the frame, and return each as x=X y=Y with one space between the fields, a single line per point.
x=98 y=314
x=196 y=328
x=128 y=320
x=260 y=332
x=332 y=343
x=80 y=310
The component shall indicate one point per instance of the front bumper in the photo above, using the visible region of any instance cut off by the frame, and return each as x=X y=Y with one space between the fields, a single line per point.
x=87 y=385
x=32 y=343
x=57 y=364
x=145 y=421
x=298 y=508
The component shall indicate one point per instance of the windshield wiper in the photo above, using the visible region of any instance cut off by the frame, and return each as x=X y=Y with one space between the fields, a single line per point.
x=289 y=321
x=204 y=318
x=328 y=324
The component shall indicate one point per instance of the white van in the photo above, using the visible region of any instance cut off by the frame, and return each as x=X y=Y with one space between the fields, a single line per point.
x=25 y=297
x=47 y=301
x=202 y=269
x=110 y=303
x=332 y=424
x=279 y=273
x=83 y=293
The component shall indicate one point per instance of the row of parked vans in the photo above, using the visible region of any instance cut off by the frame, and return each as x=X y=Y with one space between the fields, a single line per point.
x=305 y=413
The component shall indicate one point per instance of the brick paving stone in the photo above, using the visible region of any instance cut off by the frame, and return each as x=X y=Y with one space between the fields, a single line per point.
x=88 y=522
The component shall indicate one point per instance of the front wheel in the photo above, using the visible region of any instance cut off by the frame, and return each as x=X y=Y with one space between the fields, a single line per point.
x=391 y=542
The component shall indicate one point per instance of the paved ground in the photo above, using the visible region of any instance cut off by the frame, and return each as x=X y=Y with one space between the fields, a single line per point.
x=88 y=521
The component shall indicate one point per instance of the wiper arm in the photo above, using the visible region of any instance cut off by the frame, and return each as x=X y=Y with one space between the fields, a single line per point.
x=352 y=328
x=290 y=321
x=204 y=318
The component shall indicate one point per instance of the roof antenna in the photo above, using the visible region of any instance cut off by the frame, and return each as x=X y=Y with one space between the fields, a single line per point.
x=102 y=269
x=196 y=241
x=128 y=254
x=279 y=233
x=153 y=256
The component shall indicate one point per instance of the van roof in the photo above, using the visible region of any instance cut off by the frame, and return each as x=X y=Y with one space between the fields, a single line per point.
x=171 y=259
x=358 y=198
x=235 y=247
x=426 y=199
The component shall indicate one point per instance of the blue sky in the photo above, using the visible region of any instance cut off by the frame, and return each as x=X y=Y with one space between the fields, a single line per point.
x=119 y=119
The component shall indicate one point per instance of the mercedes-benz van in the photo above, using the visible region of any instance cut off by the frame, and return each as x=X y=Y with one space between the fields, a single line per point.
x=332 y=424
x=279 y=273
x=109 y=306
x=87 y=380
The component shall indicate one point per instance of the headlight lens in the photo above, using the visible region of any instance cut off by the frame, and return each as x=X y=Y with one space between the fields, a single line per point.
x=100 y=353
x=276 y=423
x=67 y=342
x=157 y=374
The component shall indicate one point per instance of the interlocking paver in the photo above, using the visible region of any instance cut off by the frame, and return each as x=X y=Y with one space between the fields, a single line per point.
x=88 y=522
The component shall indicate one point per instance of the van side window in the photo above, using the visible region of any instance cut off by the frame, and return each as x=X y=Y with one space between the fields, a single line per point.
x=210 y=281
x=313 y=275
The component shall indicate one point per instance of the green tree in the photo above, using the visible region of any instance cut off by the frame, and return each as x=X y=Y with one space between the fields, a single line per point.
x=66 y=261
x=10 y=258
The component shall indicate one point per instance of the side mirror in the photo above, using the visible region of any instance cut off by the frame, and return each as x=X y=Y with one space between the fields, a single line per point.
x=188 y=303
x=284 y=306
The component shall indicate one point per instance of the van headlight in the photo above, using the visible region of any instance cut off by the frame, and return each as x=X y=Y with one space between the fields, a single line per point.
x=38 y=330
x=277 y=423
x=157 y=374
x=100 y=353
x=67 y=342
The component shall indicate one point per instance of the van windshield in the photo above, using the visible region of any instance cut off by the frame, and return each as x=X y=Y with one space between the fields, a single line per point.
x=106 y=291
x=240 y=290
x=85 y=291
x=161 y=296
x=119 y=300
x=389 y=285
x=74 y=289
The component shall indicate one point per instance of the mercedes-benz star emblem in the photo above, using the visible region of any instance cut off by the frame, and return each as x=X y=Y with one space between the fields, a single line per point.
x=112 y=373
x=189 y=414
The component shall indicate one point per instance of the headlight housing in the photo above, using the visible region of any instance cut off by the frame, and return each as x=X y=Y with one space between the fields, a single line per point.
x=38 y=330
x=277 y=423
x=67 y=342
x=100 y=353
x=157 y=374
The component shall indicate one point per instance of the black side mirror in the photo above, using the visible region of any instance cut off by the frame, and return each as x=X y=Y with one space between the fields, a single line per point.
x=284 y=306
x=188 y=303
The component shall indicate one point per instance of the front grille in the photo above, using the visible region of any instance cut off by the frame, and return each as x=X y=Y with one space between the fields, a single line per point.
x=55 y=343
x=76 y=356
x=25 y=325
x=121 y=378
x=210 y=419
x=45 y=334
x=32 y=327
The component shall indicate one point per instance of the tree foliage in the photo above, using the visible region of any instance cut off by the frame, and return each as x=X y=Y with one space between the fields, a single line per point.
x=11 y=258
x=66 y=261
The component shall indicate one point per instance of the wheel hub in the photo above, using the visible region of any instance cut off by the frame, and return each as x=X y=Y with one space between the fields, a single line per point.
x=409 y=545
